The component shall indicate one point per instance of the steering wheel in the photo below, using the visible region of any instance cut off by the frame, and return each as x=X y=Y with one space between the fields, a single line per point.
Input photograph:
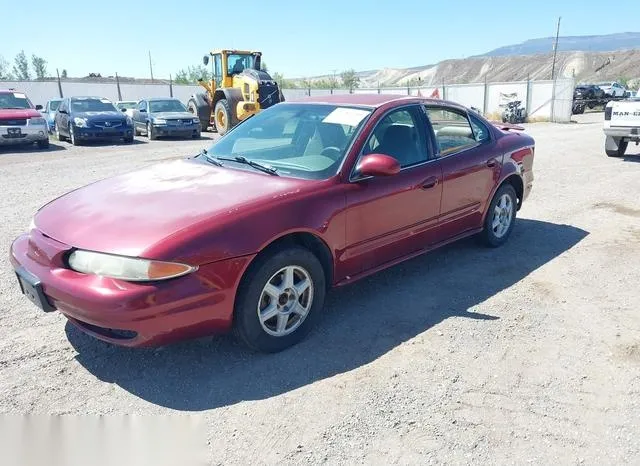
x=337 y=152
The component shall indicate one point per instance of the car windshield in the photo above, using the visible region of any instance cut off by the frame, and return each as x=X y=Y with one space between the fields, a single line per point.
x=14 y=100
x=297 y=139
x=92 y=105
x=54 y=104
x=166 y=106
x=127 y=105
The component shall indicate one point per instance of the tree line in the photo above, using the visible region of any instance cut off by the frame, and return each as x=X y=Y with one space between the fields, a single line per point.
x=24 y=68
x=348 y=79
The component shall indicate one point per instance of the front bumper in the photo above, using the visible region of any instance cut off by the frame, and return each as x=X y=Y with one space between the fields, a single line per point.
x=177 y=130
x=103 y=133
x=126 y=313
x=27 y=134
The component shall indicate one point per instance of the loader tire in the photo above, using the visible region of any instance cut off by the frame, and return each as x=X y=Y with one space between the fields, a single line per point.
x=222 y=116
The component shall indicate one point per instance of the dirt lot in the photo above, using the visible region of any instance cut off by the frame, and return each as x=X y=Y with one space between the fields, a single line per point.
x=527 y=353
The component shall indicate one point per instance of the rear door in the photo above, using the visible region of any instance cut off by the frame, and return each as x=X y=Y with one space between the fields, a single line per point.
x=470 y=168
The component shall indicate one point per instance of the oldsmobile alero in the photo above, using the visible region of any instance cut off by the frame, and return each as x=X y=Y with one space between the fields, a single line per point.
x=252 y=232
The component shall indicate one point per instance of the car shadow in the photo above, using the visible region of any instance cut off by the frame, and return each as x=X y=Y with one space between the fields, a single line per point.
x=107 y=142
x=31 y=149
x=362 y=322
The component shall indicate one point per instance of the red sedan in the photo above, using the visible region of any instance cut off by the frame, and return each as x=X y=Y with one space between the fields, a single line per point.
x=251 y=233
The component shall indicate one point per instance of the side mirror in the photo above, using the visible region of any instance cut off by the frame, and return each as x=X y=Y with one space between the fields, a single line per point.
x=62 y=111
x=123 y=110
x=143 y=110
x=378 y=165
x=38 y=107
x=205 y=60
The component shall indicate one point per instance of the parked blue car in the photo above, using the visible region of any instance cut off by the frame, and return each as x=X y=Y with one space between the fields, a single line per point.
x=49 y=112
x=89 y=118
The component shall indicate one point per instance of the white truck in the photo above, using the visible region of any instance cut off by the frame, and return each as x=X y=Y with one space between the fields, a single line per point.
x=621 y=125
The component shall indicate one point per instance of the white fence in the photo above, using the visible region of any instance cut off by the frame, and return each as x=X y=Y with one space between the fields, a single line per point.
x=544 y=100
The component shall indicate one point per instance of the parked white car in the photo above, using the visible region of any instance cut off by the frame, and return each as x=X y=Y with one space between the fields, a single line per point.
x=612 y=88
x=621 y=125
x=128 y=105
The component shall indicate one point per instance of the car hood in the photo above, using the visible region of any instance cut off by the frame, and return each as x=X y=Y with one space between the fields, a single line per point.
x=130 y=213
x=170 y=115
x=19 y=113
x=110 y=115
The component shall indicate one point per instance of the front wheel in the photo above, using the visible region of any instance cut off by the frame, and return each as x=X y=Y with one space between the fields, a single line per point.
x=500 y=217
x=150 y=133
x=280 y=299
x=223 y=118
x=72 y=136
x=44 y=144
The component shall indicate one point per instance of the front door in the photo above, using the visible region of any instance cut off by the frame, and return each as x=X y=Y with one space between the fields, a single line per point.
x=389 y=217
x=470 y=168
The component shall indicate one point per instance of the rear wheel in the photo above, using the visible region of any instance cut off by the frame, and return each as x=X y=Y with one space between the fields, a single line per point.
x=280 y=299
x=193 y=108
x=500 y=217
x=615 y=147
x=222 y=114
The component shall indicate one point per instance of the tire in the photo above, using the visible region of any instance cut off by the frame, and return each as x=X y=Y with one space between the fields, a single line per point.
x=59 y=136
x=135 y=130
x=619 y=152
x=196 y=135
x=193 y=108
x=150 y=134
x=129 y=139
x=504 y=198
x=72 y=136
x=252 y=296
x=44 y=144
x=223 y=116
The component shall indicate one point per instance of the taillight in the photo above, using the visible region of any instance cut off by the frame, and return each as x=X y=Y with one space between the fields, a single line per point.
x=607 y=113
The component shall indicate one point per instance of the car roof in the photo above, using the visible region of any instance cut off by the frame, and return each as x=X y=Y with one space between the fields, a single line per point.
x=371 y=100
x=85 y=97
x=151 y=99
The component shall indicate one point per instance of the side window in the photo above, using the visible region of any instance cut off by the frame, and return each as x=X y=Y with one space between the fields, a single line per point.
x=142 y=105
x=399 y=135
x=63 y=105
x=452 y=129
x=480 y=130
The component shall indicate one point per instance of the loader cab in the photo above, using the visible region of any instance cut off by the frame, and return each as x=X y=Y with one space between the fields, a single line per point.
x=225 y=64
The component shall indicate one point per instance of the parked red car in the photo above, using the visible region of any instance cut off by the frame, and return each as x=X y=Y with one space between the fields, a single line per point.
x=20 y=121
x=251 y=233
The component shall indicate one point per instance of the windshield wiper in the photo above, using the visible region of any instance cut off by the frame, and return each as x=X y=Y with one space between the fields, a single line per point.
x=251 y=163
x=209 y=158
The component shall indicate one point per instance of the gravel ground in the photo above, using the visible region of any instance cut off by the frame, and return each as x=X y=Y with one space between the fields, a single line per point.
x=527 y=353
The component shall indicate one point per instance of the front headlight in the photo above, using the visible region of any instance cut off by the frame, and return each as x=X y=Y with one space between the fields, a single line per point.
x=159 y=121
x=37 y=121
x=126 y=268
x=80 y=122
x=196 y=121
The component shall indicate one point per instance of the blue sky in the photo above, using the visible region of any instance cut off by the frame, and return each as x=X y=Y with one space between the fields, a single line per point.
x=297 y=38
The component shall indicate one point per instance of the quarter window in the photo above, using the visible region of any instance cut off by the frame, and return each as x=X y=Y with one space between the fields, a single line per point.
x=452 y=129
x=480 y=130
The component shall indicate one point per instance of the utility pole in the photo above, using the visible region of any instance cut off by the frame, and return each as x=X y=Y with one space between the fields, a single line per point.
x=555 y=50
x=150 y=66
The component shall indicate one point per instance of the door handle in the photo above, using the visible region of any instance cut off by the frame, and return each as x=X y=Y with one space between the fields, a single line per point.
x=491 y=163
x=430 y=182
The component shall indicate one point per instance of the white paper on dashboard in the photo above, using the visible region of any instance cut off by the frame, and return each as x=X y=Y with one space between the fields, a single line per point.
x=346 y=116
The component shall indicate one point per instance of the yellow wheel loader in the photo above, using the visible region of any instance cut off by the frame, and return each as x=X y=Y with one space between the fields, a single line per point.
x=238 y=89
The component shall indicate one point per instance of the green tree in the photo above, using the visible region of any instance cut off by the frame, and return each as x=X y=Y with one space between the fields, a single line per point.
x=39 y=66
x=349 y=79
x=263 y=66
x=192 y=74
x=4 y=69
x=623 y=81
x=64 y=74
x=21 y=67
